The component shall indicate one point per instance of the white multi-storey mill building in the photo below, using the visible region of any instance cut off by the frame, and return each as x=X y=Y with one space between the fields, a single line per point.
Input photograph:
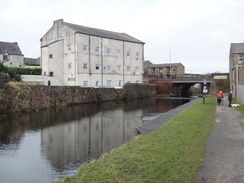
x=83 y=56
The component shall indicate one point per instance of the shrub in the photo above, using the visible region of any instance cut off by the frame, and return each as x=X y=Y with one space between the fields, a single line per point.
x=12 y=73
x=163 y=86
x=3 y=68
x=223 y=85
x=27 y=71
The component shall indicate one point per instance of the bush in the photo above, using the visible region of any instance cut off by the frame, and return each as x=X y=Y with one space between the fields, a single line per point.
x=27 y=71
x=15 y=72
x=12 y=73
x=3 y=68
x=223 y=85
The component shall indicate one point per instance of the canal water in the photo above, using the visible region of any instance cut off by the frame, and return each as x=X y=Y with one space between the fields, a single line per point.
x=52 y=144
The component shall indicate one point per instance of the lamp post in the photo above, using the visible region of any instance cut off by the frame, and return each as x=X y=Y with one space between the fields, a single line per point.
x=169 y=62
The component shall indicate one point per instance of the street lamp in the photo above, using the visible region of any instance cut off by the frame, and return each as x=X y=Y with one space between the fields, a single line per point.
x=169 y=62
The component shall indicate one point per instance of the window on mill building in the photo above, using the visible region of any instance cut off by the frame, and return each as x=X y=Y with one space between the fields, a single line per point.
x=108 y=51
x=69 y=65
x=85 y=66
x=241 y=58
x=85 y=83
x=97 y=49
x=85 y=47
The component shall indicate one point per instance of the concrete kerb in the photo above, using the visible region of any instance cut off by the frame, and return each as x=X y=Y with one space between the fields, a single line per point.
x=155 y=123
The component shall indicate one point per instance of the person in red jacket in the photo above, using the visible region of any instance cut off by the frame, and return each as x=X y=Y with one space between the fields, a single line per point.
x=220 y=96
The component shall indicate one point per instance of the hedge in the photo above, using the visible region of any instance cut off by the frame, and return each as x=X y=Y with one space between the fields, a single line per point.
x=26 y=71
x=15 y=72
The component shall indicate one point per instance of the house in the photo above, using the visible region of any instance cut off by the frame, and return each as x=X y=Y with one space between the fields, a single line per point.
x=162 y=71
x=82 y=56
x=11 y=55
x=236 y=69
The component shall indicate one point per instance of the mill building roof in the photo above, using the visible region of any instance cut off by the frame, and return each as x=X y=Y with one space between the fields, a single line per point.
x=101 y=33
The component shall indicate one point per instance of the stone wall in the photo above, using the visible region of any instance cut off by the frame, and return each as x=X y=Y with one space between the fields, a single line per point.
x=108 y=94
x=21 y=97
x=139 y=90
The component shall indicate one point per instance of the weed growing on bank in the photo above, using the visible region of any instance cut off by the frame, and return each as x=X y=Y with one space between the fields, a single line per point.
x=173 y=153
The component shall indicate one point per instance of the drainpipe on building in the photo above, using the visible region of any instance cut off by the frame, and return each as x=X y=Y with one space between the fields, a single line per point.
x=237 y=76
x=123 y=63
x=101 y=61
x=89 y=55
x=75 y=64
x=236 y=82
x=233 y=82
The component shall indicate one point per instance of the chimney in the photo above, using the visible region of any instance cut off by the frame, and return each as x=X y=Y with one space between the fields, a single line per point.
x=60 y=21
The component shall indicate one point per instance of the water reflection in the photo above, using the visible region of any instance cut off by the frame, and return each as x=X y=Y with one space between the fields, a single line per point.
x=82 y=140
x=58 y=141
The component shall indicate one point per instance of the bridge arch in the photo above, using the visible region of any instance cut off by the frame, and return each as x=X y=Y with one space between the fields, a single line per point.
x=185 y=91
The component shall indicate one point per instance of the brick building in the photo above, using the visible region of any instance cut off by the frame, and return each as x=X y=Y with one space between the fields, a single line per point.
x=162 y=71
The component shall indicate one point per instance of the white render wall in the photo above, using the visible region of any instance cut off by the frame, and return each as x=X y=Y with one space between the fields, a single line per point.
x=110 y=63
x=61 y=47
x=13 y=60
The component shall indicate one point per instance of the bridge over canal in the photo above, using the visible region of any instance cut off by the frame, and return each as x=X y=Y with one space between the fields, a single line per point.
x=183 y=83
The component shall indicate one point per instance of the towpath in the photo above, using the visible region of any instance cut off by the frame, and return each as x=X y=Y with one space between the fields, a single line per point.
x=224 y=161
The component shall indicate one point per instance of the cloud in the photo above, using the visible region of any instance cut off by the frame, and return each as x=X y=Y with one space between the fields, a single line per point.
x=198 y=32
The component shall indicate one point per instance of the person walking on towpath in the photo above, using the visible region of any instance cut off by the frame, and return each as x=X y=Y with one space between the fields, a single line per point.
x=229 y=98
x=220 y=96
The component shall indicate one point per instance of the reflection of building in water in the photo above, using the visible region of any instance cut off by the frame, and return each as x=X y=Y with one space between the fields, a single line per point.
x=80 y=141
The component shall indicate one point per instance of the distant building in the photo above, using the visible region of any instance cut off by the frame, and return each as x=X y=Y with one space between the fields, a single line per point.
x=32 y=62
x=162 y=71
x=236 y=62
x=76 y=55
x=11 y=55
x=220 y=76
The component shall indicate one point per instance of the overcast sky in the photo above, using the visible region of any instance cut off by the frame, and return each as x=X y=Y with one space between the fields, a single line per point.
x=198 y=32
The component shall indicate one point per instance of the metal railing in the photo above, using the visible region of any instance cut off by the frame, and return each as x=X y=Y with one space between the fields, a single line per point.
x=179 y=77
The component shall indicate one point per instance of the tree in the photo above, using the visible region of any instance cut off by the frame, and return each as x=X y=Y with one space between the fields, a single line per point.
x=163 y=86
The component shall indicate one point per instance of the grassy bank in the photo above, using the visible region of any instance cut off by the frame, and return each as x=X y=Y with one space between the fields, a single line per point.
x=173 y=153
x=241 y=108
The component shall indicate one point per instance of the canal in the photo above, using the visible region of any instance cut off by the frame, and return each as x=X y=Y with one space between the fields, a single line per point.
x=49 y=145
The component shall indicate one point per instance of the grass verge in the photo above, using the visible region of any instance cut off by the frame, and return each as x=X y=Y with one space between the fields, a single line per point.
x=241 y=108
x=173 y=153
